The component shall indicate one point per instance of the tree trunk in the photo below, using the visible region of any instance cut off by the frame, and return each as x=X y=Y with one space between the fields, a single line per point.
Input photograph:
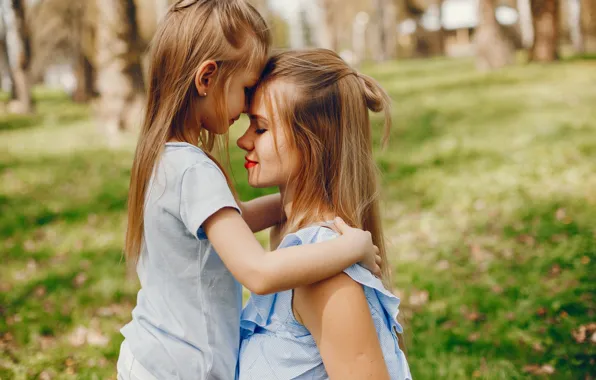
x=588 y=25
x=441 y=32
x=574 y=25
x=4 y=60
x=326 y=32
x=84 y=48
x=19 y=53
x=493 y=48
x=384 y=22
x=119 y=73
x=545 y=15
x=525 y=23
x=85 y=76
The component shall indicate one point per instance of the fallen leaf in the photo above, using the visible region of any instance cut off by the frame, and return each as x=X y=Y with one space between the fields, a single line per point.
x=418 y=298
x=535 y=369
x=40 y=291
x=560 y=214
x=584 y=331
x=45 y=375
x=29 y=246
x=497 y=289
x=541 y=312
x=79 y=280
x=555 y=270
x=78 y=337
x=46 y=342
x=585 y=260
x=443 y=265
x=538 y=347
x=82 y=335
x=448 y=325
x=475 y=316
x=473 y=337
x=95 y=338
x=527 y=240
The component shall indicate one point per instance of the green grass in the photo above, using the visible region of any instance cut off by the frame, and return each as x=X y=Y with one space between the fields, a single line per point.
x=490 y=202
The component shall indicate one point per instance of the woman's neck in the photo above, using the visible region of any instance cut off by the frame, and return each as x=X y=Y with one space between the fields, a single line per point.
x=287 y=197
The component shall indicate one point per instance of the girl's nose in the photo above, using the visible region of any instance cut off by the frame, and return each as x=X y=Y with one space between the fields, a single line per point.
x=245 y=141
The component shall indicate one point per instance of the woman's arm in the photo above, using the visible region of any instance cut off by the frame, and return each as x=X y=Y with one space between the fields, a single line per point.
x=268 y=272
x=336 y=313
x=262 y=212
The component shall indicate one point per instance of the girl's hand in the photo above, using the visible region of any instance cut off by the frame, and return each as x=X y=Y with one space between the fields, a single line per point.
x=362 y=241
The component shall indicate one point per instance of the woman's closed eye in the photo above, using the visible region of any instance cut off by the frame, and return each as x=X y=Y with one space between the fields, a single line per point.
x=260 y=131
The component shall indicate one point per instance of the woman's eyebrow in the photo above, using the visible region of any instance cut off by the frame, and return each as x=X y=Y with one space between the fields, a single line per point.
x=254 y=116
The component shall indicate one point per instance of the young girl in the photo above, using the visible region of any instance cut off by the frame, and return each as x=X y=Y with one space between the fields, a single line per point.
x=310 y=135
x=185 y=229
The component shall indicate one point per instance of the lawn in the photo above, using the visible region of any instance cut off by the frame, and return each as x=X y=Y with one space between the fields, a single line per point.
x=489 y=207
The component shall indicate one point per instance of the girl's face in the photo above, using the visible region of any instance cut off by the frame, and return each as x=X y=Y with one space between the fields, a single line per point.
x=241 y=82
x=270 y=159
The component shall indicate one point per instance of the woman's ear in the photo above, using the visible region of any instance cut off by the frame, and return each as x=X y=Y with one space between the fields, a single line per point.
x=205 y=76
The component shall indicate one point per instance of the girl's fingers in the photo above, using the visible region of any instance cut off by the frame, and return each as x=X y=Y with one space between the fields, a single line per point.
x=341 y=226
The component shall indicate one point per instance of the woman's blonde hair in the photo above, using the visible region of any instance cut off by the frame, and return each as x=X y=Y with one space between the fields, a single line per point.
x=230 y=32
x=324 y=110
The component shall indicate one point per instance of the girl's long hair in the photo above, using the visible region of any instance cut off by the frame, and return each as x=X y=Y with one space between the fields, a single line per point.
x=230 y=32
x=325 y=112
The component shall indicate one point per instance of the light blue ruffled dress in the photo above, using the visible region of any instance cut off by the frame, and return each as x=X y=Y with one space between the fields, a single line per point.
x=274 y=345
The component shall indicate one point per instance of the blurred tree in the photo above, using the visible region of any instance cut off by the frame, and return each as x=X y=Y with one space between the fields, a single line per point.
x=570 y=10
x=5 y=70
x=493 y=48
x=63 y=32
x=588 y=25
x=119 y=74
x=19 y=54
x=83 y=46
x=525 y=23
x=328 y=29
x=545 y=15
x=384 y=15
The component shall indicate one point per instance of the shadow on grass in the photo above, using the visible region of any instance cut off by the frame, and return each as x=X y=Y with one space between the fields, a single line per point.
x=580 y=57
x=51 y=108
x=80 y=185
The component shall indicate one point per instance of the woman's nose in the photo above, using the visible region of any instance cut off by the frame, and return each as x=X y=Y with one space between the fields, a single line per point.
x=245 y=142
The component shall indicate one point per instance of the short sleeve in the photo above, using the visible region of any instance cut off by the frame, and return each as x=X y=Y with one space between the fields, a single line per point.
x=204 y=191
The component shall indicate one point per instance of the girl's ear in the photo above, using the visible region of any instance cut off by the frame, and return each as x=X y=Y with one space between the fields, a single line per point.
x=205 y=76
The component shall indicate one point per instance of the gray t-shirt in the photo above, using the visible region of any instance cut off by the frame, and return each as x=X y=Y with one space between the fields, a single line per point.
x=186 y=322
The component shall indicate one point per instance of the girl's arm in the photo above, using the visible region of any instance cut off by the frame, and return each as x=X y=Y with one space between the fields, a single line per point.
x=269 y=272
x=262 y=212
x=275 y=236
x=336 y=313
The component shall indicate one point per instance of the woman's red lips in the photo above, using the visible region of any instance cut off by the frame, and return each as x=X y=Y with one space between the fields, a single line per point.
x=249 y=163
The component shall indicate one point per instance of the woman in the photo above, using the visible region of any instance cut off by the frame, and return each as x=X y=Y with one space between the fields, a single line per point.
x=310 y=135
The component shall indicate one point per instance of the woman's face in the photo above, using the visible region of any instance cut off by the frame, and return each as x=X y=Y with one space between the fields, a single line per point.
x=270 y=158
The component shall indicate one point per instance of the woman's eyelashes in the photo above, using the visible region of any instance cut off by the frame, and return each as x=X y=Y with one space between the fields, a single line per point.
x=260 y=131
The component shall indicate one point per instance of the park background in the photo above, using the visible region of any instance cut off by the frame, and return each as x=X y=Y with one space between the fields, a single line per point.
x=489 y=190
